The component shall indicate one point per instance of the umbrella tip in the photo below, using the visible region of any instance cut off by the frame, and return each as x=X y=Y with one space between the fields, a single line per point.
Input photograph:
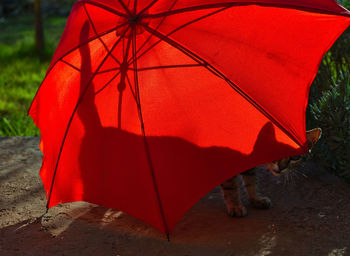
x=167 y=235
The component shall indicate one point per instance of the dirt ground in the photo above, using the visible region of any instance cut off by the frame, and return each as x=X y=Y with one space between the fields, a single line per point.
x=310 y=216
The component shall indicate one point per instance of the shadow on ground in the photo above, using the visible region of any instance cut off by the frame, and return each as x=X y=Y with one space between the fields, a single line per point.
x=309 y=217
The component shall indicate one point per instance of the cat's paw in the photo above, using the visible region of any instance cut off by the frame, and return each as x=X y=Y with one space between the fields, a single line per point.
x=261 y=202
x=237 y=211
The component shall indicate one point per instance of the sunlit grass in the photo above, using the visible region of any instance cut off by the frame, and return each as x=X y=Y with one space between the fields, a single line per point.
x=21 y=71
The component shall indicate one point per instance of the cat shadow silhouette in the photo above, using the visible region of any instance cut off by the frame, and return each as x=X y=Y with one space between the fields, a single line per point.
x=138 y=174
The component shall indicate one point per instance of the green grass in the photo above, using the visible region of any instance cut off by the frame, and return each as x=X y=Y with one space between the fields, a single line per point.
x=21 y=72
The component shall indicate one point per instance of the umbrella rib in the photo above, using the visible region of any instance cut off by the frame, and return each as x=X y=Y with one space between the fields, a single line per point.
x=121 y=86
x=225 y=4
x=72 y=50
x=180 y=27
x=105 y=8
x=143 y=69
x=170 y=66
x=189 y=9
x=147 y=7
x=125 y=7
x=72 y=115
x=71 y=65
x=110 y=81
x=100 y=39
x=88 y=41
x=135 y=6
x=290 y=133
x=157 y=27
x=137 y=91
x=108 y=70
x=130 y=86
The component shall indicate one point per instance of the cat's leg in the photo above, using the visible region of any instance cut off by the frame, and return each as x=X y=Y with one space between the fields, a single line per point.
x=252 y=187
x=230 y=190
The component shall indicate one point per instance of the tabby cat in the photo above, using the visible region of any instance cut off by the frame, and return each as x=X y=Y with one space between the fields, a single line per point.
x=231 y=187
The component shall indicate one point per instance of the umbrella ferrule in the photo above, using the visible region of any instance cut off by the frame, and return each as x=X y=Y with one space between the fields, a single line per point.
x=134 y=19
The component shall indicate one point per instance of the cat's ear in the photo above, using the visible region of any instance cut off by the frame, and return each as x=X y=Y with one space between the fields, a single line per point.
x=312 y=136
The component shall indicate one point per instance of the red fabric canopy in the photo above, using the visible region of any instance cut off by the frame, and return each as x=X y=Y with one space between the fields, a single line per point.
x=146 y=107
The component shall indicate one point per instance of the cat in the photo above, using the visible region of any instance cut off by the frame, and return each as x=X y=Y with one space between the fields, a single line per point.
x=231 y=188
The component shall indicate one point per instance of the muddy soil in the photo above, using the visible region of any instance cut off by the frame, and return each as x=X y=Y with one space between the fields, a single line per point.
x=310 y=216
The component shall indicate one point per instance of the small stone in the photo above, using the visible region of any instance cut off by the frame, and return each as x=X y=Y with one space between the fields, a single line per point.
x=321 y=215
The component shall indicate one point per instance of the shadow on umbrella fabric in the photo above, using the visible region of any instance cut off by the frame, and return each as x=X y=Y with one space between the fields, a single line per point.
x=154 y=178
x=146 y=108
x=165 y=176
x=119 y=175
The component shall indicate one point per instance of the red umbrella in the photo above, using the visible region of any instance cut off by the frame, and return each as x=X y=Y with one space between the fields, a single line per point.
x=148 y=105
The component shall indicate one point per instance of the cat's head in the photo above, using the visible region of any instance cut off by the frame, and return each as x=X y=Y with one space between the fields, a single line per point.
x=285 y=165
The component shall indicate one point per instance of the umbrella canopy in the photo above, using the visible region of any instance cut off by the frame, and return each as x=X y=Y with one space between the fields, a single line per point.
x=148 y=105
